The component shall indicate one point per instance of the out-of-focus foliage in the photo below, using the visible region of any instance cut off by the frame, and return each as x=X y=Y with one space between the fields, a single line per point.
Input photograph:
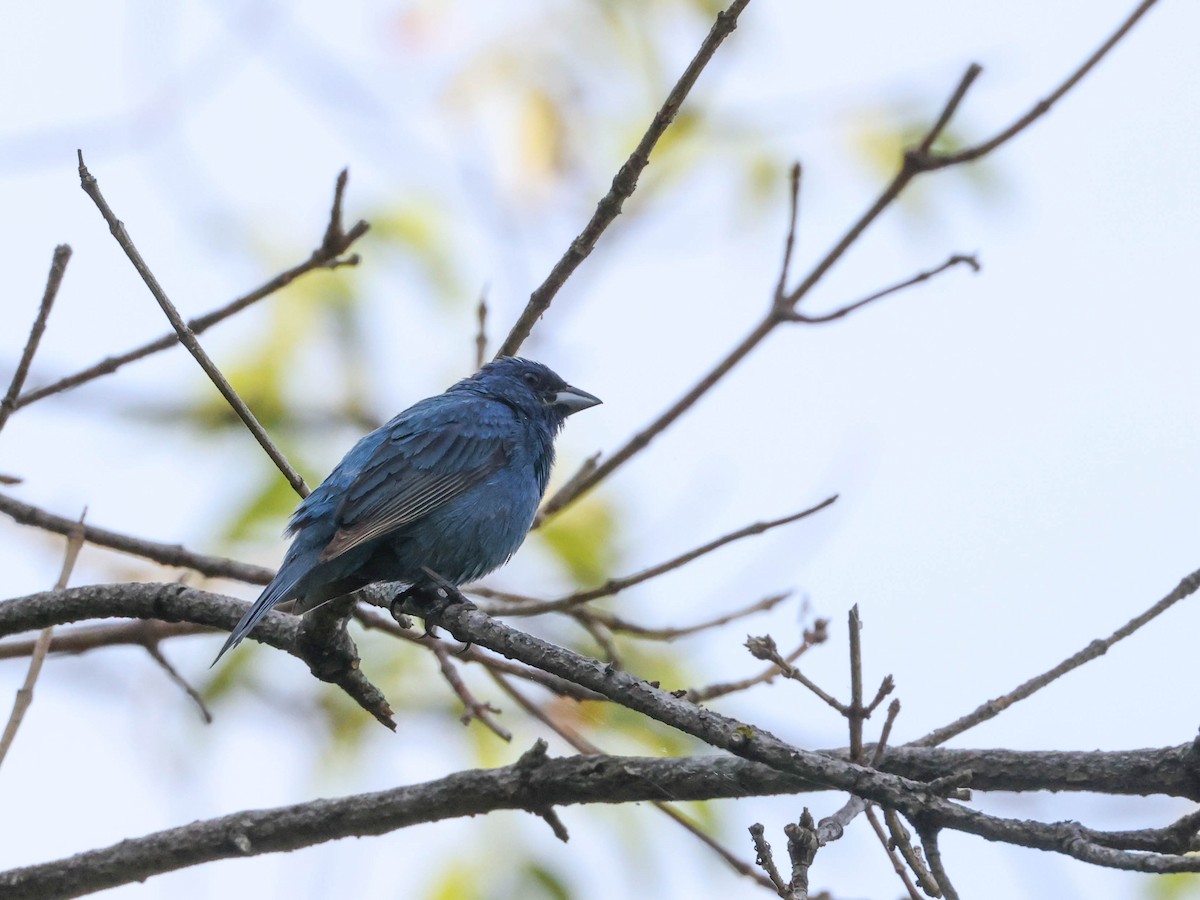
x=1172 y=887
x=582 y=539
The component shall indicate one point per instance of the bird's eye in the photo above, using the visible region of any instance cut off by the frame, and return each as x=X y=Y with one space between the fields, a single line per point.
x=531 y=379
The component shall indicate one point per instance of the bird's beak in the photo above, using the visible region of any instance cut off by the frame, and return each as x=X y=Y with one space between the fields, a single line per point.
x=572 y=399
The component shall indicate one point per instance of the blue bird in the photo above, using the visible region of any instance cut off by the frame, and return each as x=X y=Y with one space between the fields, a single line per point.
x=451 y=484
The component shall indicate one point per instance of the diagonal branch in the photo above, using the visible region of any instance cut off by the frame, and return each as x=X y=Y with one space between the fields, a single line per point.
x=916 y=161
x=41 y=646
x=58 y=267
x=327 y=256
x=186 y=337
x=164 y=554
x=616 y=585
x=992 y=708
x=1043 y=106
x=623 y=184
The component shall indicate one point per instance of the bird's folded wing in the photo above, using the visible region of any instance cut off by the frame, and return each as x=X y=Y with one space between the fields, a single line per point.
x=412 y=474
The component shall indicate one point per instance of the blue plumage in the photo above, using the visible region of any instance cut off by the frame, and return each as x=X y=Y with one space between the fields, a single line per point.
x=451 y=484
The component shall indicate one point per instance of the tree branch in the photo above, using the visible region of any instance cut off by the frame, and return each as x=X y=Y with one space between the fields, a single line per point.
x=335 y=242
x=623 y=184
x=58 y=267
x=186 y=337
x=914 y=162
x=164 y=554
x=334 y=659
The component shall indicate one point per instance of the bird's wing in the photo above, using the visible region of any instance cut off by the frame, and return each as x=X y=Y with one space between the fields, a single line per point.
x=431 y=456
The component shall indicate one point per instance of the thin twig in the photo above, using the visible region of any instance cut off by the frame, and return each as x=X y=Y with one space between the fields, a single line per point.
x=644 y=632
x=958 y=259
x=856 y=712
x=616 y=585
x=915 y=162
x=1043 y=106
x=893 y=856
x=186 y=337
x=766 y=859
x=140 y=633
x=933 y=854
x=789 y=243
x=58 y=267
x=763 y=647
x=481 y=312
x=993 y=708
x=902 y=841
x=473 y=708
x=885 y=733
x=157 y=655
x=164 y=554
x=818 y=634
x=623 y=184
x=327 y=256
x=25 y=692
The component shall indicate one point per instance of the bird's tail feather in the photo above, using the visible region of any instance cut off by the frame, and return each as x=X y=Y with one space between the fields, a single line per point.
x=276 y=592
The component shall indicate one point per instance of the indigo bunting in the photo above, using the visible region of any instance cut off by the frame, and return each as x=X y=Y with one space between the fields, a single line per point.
x=451 y=484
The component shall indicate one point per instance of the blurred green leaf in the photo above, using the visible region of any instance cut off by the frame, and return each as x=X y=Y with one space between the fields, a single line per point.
x=265 y=512
x=539 y=881
x=582 y=539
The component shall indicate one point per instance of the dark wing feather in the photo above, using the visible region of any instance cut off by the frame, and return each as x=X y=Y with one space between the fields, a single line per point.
x=420 y=467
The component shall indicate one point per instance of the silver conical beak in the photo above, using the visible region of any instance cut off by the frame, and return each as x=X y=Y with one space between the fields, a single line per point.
x=572 y=399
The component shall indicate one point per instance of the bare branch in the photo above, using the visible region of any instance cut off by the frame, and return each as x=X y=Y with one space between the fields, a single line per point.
x=157 y=655
x=327 y=256
x=766 y=859
x=1043 y=106
x=58 y=267
x=893 y=856
x=473 y=708
x=495 y=665
x=554 y=782
x=763 y=647
x=812 y=636
x=789 y=243
x=42 y=645
x=335 y=660
x=933 y=853
x=186 y=337
x=164 y=554
x=902 y=841
x=616 y=585
x=623 y=184
x=958 y=259
x=481 y=311
x=916 y=161
x=666 y=633
x=1097 y=648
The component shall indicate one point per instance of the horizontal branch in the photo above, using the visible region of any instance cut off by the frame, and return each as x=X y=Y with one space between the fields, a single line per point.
x=165 y=554
x=330 y=657
x=534 y=784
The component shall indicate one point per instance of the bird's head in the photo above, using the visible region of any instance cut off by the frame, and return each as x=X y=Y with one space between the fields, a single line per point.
x=531 y=387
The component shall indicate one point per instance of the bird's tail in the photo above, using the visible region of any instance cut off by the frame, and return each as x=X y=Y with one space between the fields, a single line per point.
x=277 y=591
